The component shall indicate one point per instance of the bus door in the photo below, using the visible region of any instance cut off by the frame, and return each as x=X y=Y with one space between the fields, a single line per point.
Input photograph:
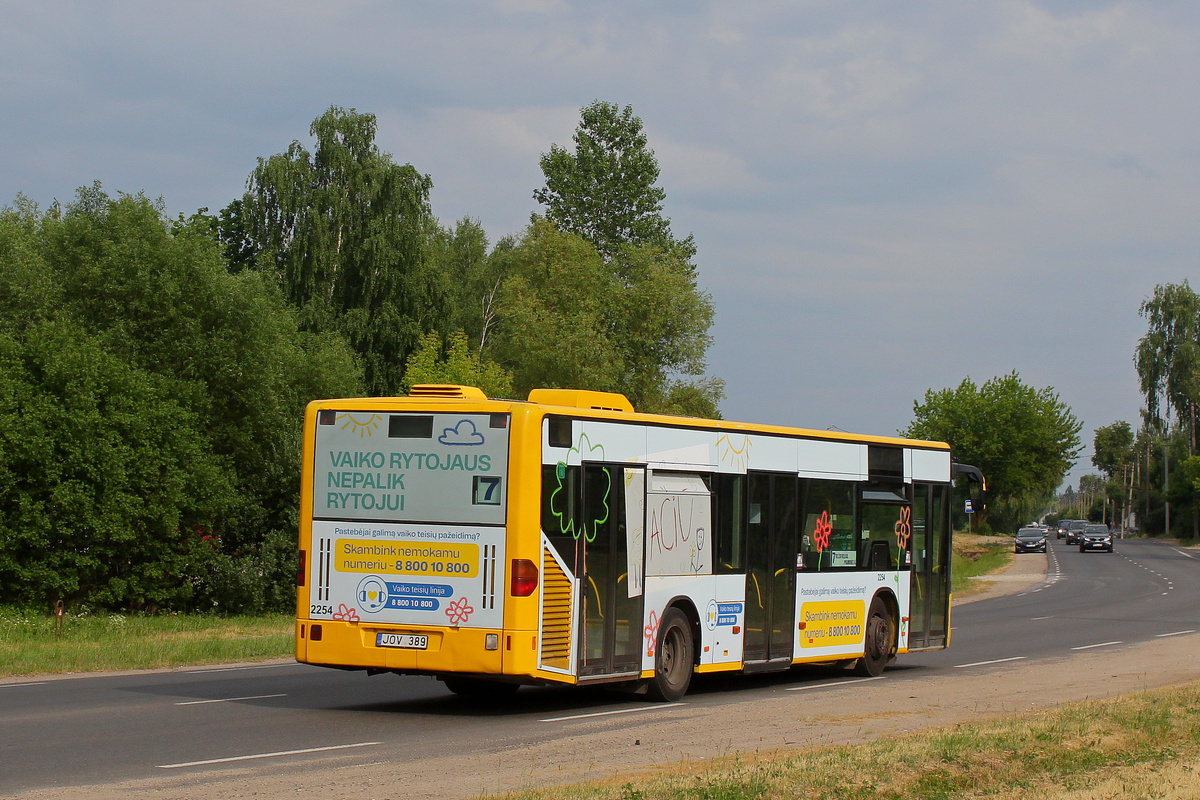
x=930 y=577
x=771 y=549
x=610 y=545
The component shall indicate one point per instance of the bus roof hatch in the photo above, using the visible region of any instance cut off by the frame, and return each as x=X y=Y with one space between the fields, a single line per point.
x=581 y=398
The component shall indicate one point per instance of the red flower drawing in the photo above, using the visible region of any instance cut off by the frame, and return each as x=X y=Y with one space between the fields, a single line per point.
x=823 y=531
x=904 y=528
x=651 y=633
x=346 y=613
x=459 y=611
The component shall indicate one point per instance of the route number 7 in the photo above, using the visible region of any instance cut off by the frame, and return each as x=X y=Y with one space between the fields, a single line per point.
x=487 y=490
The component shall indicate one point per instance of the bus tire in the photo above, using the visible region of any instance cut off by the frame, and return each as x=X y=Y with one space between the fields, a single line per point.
x=880 y=642
x=479 y=688
x=673 y=656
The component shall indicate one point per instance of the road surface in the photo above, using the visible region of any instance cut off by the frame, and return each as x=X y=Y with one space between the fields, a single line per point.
x=1096 y=625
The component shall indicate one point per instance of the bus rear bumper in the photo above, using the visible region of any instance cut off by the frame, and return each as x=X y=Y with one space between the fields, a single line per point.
x=334 y=643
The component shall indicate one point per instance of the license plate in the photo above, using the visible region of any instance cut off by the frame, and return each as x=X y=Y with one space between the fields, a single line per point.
x=407 y=641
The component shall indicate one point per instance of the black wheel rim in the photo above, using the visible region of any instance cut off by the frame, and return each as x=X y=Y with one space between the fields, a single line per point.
x=669 y=657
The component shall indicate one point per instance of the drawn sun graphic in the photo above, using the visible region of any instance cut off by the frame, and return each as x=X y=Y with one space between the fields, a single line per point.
x=734 y=455
x=363 y=428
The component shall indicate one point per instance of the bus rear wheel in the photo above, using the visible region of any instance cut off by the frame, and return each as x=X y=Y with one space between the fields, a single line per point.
x=673 y=656
x=479 y=688
x=880 y=644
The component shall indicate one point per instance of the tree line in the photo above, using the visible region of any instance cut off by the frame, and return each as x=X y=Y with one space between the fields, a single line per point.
x=154 y=371
x=1149 y=471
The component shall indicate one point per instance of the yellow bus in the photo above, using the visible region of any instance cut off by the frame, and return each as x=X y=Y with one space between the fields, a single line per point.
x=569 y=539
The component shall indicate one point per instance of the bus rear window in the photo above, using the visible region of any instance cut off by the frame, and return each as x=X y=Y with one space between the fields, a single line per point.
x=410 y=426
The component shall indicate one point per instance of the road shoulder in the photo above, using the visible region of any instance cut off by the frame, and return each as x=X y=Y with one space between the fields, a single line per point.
x=1026 y=571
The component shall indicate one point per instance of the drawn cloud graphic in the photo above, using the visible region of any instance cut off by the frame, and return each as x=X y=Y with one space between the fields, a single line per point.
x=464 y=433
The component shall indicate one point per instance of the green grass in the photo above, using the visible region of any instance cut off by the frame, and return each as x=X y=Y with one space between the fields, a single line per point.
x=33 y=644
x=1141 y=746
x=983 y=555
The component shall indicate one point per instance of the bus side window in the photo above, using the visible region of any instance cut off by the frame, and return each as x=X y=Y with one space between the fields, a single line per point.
x=828 y=540
x=886 y=527
x=560 y=508
x=729 y=523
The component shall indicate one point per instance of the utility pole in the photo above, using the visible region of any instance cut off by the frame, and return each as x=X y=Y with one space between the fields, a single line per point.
x=1167 y=482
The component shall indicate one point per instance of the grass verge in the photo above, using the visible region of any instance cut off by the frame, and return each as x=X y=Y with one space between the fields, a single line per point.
x=1145 y=745
x=976 y=555
x=31 y=644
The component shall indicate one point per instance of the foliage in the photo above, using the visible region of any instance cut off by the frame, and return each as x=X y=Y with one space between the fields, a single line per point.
x=1168 y=356
x=655 y=319
x=149 y=407
x=605 y=190
x=662 y=321
x=344 y=230
x=456 y=365
x=554 y=306
x=568 y=319
x=1023 y=439
x=1113 y=447
x=461 y=254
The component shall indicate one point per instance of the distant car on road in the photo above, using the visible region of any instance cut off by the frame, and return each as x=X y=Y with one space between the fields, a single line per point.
x=1095 y=537
x=1074 y=529
x=1030 y=540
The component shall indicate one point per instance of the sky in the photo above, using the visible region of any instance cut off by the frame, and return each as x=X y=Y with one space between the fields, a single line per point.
x=887 y=197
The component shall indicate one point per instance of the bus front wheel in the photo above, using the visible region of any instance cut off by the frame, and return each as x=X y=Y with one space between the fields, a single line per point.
x=880 y=644
x=673 y=657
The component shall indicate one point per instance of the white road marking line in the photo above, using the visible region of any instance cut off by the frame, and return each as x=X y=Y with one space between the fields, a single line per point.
x=835 y=683
x=609 y=713
x=15 y=685
x=1189 y=555
x=230 y=699
x=238 y=669
x=266 y=755
x=1035 y=619
x=1173 y=633
x=1090 y=646
x=985 y=663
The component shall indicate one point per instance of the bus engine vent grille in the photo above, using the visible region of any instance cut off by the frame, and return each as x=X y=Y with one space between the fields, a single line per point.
x=556 y=614
x=450 y=390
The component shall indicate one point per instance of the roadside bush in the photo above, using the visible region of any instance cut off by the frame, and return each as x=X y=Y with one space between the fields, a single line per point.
x=150 y=412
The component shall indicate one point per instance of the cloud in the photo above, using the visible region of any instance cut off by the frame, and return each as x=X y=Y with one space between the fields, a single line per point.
x=464 y=433
x=886 y=197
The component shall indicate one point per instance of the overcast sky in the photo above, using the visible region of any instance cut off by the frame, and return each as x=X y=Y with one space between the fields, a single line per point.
x=887 y=197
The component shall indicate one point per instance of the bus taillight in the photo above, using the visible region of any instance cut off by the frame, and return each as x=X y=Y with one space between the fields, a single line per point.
x=524 y=577
x=300 y=569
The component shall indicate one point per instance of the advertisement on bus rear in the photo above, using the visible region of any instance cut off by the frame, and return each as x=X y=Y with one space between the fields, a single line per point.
x=402 y=574
x=408 y=517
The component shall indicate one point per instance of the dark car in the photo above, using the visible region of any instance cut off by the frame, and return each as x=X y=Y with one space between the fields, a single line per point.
x=1075 y=529
x=1095 y=537
x=1030 y=540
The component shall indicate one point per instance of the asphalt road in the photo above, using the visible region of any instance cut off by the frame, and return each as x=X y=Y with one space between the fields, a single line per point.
x=87 y=730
